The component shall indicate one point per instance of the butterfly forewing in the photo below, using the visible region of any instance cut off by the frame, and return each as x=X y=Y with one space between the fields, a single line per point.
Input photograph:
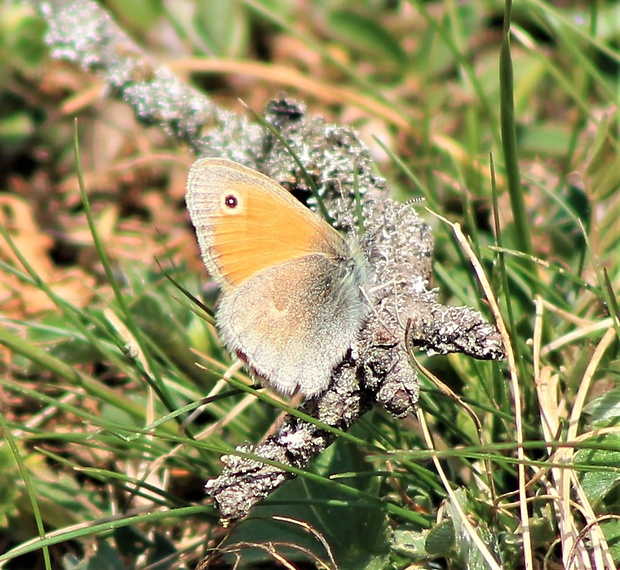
x=243 y=229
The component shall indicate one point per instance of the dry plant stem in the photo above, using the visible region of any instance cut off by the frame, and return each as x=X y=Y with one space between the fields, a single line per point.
x=463 y=518
x=398 y=244
x=448 y=392
x=516 y=394
x=312 y=532
x=568 y=476
x=564 y=484
x=289 y=78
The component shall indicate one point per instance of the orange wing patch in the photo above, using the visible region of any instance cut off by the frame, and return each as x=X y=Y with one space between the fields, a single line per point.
x=264 y=230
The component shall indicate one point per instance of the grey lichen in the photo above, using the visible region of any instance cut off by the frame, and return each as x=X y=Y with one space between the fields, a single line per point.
x=82 y=32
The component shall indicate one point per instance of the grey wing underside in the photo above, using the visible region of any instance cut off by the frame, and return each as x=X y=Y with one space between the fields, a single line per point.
x=294 y=322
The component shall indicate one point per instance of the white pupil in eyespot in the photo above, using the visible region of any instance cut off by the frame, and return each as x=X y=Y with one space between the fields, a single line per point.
x=231 y=201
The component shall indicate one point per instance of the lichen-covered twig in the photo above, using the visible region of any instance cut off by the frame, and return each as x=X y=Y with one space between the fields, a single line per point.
x=82 y=32
x=398 y=243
